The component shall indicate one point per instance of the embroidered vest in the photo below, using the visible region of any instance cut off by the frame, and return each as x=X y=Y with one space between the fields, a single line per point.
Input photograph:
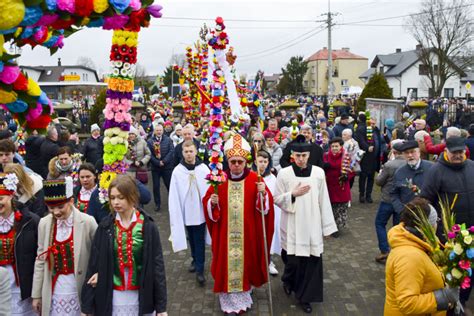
x=128 y=253
x=63 y=253
x=7 y=247
x=81 y=205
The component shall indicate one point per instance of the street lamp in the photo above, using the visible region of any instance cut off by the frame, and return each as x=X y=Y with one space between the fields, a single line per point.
x=172 y=66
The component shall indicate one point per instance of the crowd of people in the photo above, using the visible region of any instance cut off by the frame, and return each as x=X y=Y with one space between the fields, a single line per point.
x=287 y=187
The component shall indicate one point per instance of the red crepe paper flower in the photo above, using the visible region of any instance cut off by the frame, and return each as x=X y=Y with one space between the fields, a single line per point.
x=63 y=24
x=21 y=83
x=219 y=20
x=41 y=122
x=84 y=7
x=18 y=216
x=137 y=18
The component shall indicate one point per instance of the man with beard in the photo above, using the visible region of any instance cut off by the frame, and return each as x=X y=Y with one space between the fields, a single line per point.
x=408 y=179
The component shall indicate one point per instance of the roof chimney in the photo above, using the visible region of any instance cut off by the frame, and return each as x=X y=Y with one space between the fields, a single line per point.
x=419 y=47
x=346 y=49
x=325 y=48
x=398 y=50
x=59 y=61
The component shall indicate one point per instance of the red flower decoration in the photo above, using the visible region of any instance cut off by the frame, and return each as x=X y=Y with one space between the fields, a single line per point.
x=21 y=83
x=18 y=216
x=41 y=122
x=84 y=7
x=63 y=24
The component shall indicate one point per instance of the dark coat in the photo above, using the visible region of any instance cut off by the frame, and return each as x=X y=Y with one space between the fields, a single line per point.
x=26 y=246
x=401 y=194
x=370 y=162
x=166 y=153
x=33 y=153
x=470 y=146
x=315 y=155
x=93 y=149
x=448 y=180
x=99 y=210
x=48 y=151
x=338 y=128
x=152 y=292
x=35 y=204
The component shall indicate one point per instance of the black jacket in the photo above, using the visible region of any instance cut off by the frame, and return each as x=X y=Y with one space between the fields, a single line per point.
x=152 y=292
x=33 y=153
x=93 y=149
x=166 y=153
x=447 y=180
x=35 y=204
x=49 y=150
x=370 y=162
x=315 y=155
x=26 y=246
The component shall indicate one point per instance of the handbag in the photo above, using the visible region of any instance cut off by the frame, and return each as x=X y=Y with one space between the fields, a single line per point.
x=142 y=175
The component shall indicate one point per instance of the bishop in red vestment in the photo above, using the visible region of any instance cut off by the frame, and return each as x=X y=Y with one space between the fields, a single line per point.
x=234 y=220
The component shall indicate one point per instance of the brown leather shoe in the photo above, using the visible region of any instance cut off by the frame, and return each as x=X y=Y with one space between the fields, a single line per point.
x=382 y=257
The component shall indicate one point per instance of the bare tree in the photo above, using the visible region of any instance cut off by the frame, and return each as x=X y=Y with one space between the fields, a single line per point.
x=443 y=31
x=86 y=62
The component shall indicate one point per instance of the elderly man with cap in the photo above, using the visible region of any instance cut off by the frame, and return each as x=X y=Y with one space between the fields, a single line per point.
x=408 y=179
x=342 y=125
x=302 y=194
x=233 y=212
x=93 y=148
x=452 y=179
x=385 y=211
x=64 y=245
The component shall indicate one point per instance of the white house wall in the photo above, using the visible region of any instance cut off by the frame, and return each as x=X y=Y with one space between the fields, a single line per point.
x=32 y=73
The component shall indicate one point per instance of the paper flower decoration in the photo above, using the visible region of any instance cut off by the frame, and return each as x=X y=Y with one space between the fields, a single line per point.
x=7 y=96
x=10 y=182
x=9 y=74
x=12 y=13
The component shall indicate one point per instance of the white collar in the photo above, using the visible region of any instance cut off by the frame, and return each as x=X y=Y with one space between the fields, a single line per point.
x=134 y=218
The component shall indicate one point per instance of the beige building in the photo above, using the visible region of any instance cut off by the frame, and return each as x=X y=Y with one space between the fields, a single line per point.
x=347 y=68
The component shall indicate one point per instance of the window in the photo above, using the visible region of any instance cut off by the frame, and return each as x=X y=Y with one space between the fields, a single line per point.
x=313 y=69
x=344 y=82
x=305 y=83
x=335 y=73
x=422 y=70
x=430 y=92
x=313 y=82
x=449 y=93
x=381 y=70
x=414 y=93
x=435 y=69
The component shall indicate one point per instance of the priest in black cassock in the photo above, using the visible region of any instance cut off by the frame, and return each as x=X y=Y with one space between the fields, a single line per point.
x=306 y=217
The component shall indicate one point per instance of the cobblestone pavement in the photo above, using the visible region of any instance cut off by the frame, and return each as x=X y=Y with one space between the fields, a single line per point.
x=353 y=281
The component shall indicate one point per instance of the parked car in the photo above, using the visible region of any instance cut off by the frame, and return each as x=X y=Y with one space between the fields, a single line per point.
x=70 y=125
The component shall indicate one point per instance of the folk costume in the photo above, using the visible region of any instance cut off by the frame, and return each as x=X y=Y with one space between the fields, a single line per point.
x=130 y=268
x=82 y=197
x=63 y=253
x=304 y=221
x=235 y=225
x=18 y=239
x=187 y=188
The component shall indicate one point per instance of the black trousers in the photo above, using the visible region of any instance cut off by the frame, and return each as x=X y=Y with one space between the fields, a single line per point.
x=197 y=241
x=156 y=175
x=366 y=183
x=304 y=276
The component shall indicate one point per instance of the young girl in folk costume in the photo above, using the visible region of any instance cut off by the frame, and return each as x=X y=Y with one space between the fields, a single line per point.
x=263 y=166
x=64 y=243
x=18 y=243
x=83 y=192
x=126 y=273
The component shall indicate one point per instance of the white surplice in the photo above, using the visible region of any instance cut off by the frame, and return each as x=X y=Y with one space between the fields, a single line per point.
x=304 y=223
x=187 y=188
x=270 y=181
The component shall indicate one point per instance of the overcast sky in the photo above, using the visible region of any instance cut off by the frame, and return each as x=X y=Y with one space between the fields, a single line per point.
x=267 y=46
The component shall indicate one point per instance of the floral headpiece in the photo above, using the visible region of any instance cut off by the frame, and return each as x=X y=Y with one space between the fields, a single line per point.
x=8 y=183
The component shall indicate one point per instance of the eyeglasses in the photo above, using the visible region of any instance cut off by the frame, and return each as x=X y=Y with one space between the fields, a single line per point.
x=236 y=162
x=258 y=141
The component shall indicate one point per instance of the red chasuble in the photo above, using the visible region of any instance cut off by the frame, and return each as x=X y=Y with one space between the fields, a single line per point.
x=235 y=226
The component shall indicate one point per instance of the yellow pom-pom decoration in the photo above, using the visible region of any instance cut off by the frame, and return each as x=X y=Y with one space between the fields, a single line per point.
x=7 y=97
x=33 y=88
x=101 y=5
x=12 y=13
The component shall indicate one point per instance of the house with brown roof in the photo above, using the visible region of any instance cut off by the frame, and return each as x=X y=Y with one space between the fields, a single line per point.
x=347 y=68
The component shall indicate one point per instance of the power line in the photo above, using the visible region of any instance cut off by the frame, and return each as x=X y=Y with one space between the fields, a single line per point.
x=236 y=20
x=407 y=15
x=282 y=44
x=238 y=27
x=283 y=48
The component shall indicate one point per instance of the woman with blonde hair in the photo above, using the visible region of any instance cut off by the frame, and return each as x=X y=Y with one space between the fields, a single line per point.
x=126 y=273
x=29 y=194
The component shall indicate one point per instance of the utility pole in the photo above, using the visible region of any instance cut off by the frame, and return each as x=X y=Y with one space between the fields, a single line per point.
x=329 y=22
